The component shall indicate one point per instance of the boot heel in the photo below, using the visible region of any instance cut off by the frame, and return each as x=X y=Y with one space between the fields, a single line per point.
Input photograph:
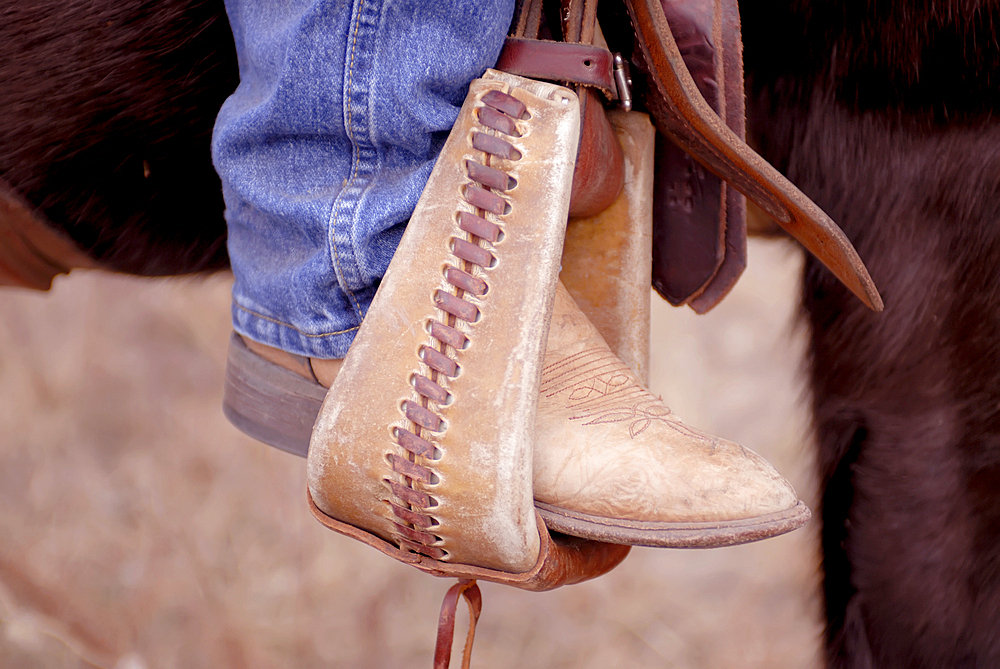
x=268 y=402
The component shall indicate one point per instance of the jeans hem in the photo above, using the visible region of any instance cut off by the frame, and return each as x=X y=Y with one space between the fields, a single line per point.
x=269 y=331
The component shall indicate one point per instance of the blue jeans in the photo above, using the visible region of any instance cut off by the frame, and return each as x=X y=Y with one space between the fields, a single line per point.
x=326 y=145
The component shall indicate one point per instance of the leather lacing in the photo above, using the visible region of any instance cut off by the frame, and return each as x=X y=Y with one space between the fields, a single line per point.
x=474 y=257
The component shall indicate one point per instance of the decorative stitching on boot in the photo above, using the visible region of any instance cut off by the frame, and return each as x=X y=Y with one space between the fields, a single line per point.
x=412 y=508
x=599 y=390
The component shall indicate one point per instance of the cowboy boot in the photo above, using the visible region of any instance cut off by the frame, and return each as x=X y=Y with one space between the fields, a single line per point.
x=614 y=464
x=671 y=520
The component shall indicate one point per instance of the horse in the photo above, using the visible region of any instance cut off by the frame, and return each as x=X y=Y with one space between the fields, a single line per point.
x=884 y=114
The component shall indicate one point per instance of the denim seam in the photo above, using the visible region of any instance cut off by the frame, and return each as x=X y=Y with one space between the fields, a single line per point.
x=290 y=326
x=355 y=163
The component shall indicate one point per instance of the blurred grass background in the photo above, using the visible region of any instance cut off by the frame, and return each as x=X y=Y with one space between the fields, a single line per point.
x=138 y=530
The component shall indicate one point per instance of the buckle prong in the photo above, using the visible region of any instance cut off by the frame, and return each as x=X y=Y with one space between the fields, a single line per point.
x=623 y=82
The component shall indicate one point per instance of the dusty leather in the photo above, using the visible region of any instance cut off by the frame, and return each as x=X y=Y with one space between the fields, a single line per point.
x=561 y=560
x=614 y=450
x=481 y=482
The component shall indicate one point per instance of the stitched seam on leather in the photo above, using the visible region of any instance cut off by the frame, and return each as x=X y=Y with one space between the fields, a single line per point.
x=414 y=538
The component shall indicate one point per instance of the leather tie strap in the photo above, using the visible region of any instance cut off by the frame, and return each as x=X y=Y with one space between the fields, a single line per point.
x=560 y=61
x=446 y=623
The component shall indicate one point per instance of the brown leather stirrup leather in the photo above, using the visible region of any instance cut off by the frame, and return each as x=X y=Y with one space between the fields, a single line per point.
x=695 y=94
x=589 y=69
x=699 y=230
x=681 y=112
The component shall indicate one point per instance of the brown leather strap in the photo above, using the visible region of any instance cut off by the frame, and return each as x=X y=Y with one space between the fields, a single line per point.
x=735 y=260
x=446 y=622
x=560 y=61
x=579 y=20
x=690 y=203
x=527 y=18
x=31 y=252
x=599 y=173
x=682 y=113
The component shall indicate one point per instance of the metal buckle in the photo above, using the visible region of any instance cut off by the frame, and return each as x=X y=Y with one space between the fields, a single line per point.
x=623 y=82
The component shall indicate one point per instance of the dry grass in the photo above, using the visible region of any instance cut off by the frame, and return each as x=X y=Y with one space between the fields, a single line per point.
x=139 y=530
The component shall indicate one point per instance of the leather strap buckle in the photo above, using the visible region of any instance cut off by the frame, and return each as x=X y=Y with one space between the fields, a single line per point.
x=623 y=83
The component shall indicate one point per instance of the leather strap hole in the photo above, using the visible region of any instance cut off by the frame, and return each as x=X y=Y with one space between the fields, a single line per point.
x=588 y=63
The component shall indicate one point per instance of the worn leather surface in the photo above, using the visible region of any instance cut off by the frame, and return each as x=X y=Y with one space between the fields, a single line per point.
x=607 y=258
x=482 y=485
x=562 y=560
x=614 y=450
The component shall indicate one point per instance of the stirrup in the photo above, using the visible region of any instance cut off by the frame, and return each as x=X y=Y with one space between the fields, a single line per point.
x=426 y=454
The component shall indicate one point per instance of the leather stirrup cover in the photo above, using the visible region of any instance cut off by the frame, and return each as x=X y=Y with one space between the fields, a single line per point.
x=682 y=114
x=424 y=445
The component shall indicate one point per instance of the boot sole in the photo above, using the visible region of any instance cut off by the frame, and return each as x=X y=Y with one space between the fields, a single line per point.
x=707 y=534
x=279 y=408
